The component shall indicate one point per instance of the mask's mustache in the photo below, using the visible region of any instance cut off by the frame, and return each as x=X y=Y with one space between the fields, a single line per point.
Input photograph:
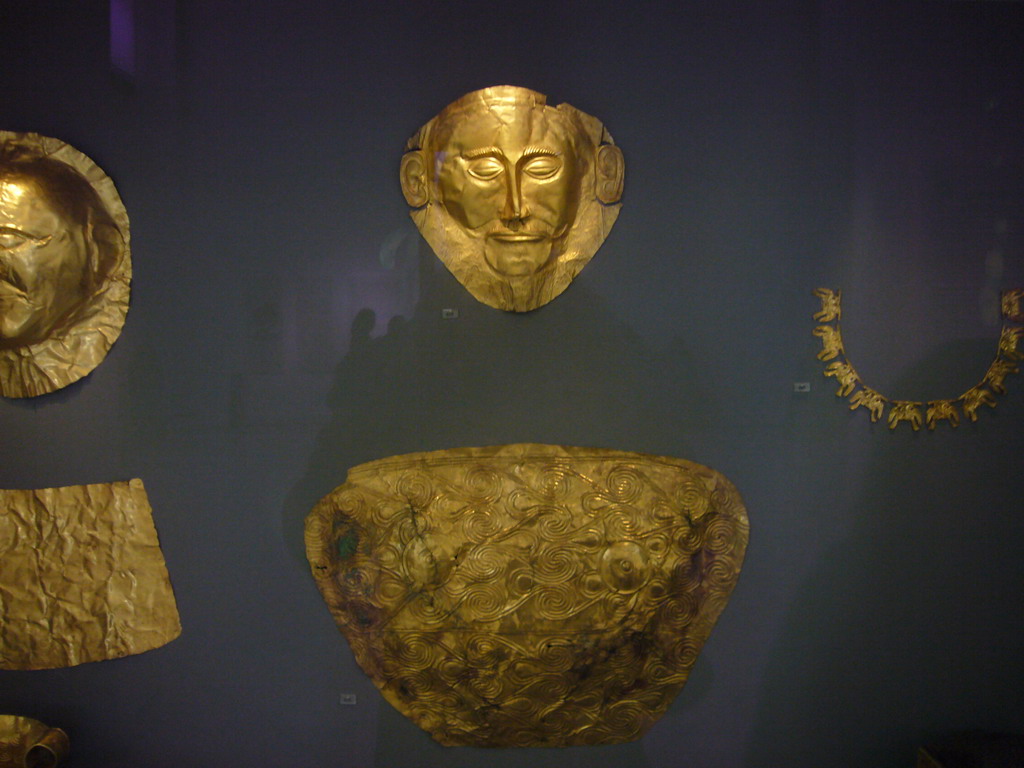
x=525 y=231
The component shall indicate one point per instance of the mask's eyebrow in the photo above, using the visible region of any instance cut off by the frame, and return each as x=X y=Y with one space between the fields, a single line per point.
x=4 y=230
x=483 y=152
x=533 y=151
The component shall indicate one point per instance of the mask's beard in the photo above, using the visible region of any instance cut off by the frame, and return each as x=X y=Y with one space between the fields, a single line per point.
x=463 y=252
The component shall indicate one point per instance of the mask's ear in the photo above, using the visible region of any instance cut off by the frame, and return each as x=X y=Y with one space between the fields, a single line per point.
x=105 y=246
x=414 y=179
x=610 y=173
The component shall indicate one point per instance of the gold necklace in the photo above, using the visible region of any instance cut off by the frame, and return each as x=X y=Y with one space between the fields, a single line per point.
x=862 y=396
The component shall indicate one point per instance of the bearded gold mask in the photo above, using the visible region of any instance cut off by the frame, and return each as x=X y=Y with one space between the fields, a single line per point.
x=65 y=264
x=514 y=196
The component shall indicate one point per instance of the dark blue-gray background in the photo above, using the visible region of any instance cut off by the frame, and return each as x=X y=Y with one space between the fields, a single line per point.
x=286 y=324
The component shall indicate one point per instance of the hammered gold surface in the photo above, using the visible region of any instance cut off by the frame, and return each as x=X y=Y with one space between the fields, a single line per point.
x=82 y=577
x=513 y=195
x=27 y=743
x=528 y=595
x=65 y=264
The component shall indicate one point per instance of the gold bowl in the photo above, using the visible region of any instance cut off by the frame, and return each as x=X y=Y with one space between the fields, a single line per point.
x=528 y=595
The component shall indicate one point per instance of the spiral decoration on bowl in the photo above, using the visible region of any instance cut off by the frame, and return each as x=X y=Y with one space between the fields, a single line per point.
x=528 y=595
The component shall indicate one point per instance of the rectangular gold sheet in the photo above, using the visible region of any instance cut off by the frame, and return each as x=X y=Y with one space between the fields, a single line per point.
x=82 y=577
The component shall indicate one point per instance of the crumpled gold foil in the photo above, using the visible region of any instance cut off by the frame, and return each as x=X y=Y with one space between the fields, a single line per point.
x=82 y=577
x=28 y=743
x=513 y=195
x=65 y=264
x=528 y=595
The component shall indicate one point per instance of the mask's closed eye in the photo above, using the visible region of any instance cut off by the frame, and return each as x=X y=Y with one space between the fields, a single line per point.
x=485 y=168
x=542 y=167
x=11 y=238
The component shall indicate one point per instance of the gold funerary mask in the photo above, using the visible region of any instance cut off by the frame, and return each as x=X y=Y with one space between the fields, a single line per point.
x=64 y=264
x=528 y=595
x=514 y=196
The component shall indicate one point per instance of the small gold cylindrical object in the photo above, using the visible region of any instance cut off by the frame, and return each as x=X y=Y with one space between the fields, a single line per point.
x=28 y=743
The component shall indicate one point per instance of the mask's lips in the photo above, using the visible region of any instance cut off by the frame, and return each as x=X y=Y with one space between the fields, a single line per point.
x=517 y=237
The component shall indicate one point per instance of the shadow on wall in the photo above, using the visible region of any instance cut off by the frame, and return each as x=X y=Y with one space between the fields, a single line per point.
x=569 y=373
x=909 y=627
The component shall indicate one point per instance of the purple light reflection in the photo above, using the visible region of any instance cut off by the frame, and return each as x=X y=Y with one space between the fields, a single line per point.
x=122 y=36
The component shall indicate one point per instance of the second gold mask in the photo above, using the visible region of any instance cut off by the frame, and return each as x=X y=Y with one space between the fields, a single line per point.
x=514 y=196
x=65 y=264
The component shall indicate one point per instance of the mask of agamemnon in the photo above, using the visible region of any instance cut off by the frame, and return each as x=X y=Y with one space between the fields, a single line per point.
x=65 y=264
x=514 y=196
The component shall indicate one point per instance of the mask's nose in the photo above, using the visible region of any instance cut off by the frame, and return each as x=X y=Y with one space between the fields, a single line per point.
x=516 y=208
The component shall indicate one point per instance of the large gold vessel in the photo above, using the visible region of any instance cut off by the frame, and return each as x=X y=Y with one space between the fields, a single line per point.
x=528 y=595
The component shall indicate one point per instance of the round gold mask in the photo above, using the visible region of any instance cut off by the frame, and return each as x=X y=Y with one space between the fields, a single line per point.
x=514 y=196
x=65 y=264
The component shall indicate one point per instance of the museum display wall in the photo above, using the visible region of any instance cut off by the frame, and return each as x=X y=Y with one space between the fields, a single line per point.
x=288 y=322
